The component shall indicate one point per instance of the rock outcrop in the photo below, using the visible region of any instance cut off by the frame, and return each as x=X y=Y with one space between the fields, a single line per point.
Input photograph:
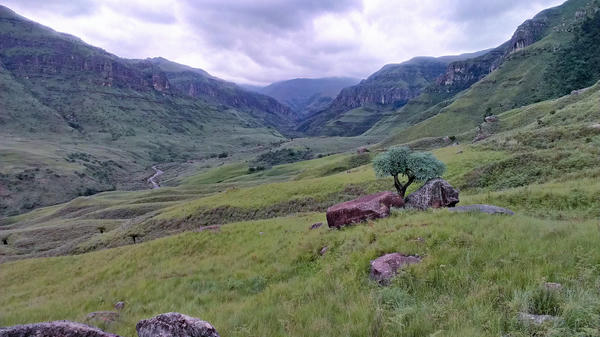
x=384 y=268
x=174 y=324
x=369 y=207
x=436 y=193
x=489 y=209
x=53 y=329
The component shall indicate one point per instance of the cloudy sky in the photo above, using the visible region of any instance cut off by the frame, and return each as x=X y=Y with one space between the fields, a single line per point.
x=261 y=41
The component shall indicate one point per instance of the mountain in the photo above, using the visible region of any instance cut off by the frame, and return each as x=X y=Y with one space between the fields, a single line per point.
x=387 y=89
x=307 y=95
x=198 y=83
x=548 y=56
x=76 y=120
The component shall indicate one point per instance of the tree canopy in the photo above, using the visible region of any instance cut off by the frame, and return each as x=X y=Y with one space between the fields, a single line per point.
x=402 y=161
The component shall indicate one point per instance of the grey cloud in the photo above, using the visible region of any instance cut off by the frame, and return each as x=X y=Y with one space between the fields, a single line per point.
x=67 y=8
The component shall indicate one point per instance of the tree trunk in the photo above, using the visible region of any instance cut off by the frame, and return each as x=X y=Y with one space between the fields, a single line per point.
x=401 y=188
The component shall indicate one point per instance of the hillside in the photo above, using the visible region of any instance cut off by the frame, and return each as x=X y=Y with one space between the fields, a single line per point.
x=522 y=71
x=254 y=268
x=77 y=120
x=357 y=108
x=232 y=236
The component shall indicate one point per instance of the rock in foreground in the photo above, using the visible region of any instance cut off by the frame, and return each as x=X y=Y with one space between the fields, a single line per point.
x=489 y=209
x=174 y=324
x=374 y=206
x=53 y=329
x=436 y=193
x=384 y=268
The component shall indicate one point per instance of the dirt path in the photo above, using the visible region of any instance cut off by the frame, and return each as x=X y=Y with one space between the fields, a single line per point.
x=152 y=180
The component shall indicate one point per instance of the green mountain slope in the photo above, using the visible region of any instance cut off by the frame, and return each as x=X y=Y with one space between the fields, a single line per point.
x=77 y=120
x=521 y=75
x=359 y=107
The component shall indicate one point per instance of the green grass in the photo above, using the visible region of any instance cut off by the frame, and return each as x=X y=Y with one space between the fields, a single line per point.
x=478 y=273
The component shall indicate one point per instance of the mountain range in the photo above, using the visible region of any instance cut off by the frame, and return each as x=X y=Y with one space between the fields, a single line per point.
x=77 y=120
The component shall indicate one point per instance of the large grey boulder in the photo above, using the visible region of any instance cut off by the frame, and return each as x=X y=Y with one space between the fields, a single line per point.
x=489 y=209
x=436 y=193
x=53 y=329
x=384 y=268
x=174 y=324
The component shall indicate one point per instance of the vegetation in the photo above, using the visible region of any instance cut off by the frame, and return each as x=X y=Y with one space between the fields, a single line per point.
x=415 y=166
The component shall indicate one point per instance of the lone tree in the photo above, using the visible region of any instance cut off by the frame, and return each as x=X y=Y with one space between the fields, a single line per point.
x=416 y=166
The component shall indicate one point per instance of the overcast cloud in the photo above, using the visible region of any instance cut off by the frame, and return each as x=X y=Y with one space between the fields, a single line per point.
x=262 y=41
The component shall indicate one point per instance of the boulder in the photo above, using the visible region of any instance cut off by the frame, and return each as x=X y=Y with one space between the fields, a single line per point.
x=119 y=305
x=384 y=268
x=374 y=206
x=489 y=209
x=436 y=193
x=491 y=119
x=53 y=329
x=174 y=324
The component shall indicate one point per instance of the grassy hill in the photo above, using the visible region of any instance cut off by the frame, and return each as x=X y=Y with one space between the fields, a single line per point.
x=76 y=120
x=230 y=243
x=527 y=73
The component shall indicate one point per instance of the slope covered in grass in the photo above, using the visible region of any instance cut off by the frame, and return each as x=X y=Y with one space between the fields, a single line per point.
x=266 y=278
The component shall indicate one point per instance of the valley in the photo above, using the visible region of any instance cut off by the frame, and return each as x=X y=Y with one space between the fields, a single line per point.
x=156 y=184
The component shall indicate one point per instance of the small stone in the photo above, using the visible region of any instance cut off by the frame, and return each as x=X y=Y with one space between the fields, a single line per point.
x=536 y=319
x=553 y=286
x=323 y=250
x=119 y=305
x=317 y=225
x=102 y=317
x=261 y=233
x=384 y=268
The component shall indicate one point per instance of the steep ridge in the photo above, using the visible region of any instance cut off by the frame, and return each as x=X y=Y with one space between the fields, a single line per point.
x=198 y=83
x=389 y=88
x=512 y=75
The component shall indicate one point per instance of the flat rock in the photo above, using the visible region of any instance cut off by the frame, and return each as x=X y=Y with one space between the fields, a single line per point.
x=436 y=193
x=536 y=319
x=53 y=329
x=553 y=286
x=316 y=225
x=374 y=206
x=489 y=209
x=384 y=268
x=174 y=324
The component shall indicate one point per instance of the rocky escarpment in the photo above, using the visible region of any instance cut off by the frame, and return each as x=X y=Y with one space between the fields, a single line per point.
x=461 y=75
x=197 y=83
x=393 y=85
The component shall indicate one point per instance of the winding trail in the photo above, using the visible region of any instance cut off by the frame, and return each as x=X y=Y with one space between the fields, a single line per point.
x=152 y=180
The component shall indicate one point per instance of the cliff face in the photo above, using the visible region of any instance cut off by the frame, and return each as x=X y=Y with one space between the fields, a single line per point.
x=393 y=85
x=197 y=83
x=461 y=75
